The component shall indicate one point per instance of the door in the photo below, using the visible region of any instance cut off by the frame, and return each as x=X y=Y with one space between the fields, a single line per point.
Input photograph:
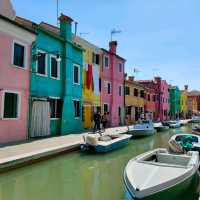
x=40 y=119
x=87 y=117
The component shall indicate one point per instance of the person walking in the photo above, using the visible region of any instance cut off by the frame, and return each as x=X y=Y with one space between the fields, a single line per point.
x=97 y=122
x=104 y=121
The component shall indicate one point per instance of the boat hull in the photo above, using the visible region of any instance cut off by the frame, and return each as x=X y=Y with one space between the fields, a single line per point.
x=138 y=133
x=187 y=189
x=111 y=147
x=161 y=129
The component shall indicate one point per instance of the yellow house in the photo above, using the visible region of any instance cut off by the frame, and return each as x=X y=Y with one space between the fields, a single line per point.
x=91 y=80
x=184 y=102
x=134 y=100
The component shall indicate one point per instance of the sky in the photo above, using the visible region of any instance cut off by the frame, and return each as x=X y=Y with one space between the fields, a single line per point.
x=159 y=37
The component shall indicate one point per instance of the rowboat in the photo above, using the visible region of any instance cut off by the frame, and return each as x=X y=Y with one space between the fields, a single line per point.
x=159 y=127
x=158 y=174
x=142 y=129
x=180 y=143
x=105 y=143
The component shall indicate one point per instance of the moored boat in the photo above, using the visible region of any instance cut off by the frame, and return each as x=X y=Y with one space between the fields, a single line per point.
x=155 y=174
x=159 y=127
x=180 y=143
x=172 y=124
x=105 y=143
x=195 y=119
x=142 y=129
x=196 y=128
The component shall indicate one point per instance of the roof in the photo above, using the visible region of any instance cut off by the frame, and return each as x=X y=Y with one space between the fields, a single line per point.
x=16 y=23
x=114 y=54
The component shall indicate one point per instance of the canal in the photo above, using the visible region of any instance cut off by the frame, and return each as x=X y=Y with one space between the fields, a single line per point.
x=79 y=176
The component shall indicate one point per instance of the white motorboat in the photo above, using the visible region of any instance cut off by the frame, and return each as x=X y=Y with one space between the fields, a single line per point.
x=156 y=173
x=142 y=129
x=180 y=143
x=105 y=143
x=195 y=119
x=173 y=124
x=159 y=127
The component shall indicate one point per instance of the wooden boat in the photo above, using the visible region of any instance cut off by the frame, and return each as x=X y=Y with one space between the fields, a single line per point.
x=180 y=143
x=143 y=129
x=159 y=127
x=196 y=128
x=105 y=143
x=154 y=174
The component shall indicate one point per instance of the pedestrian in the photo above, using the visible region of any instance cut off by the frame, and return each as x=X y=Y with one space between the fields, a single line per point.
x=104 y=121
x=97 y=122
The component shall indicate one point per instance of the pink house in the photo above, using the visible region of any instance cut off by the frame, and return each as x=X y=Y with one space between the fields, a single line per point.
x=161 y=89
x=112 y=82
x=15 y=51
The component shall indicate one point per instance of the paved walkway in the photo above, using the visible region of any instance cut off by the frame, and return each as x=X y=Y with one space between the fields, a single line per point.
x=15 y=155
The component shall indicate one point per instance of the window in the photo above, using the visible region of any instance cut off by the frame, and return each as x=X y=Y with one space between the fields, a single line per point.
x=76 y=74
x=149 y=98
x=120 y=67
x=19 y=55
x=42 y=63
x=154 y=98
x=100 y=84
x=76 y=108
x=135 y=92
x=95 y=58
x=55 y=68
x=119 y=111
x=106 y=61
x=142 y=93
x=56 y=108
x=127 y=90
x=108 y=88
x=105 y=108
x=10 y=105
x=128 y=110
x=120 y=90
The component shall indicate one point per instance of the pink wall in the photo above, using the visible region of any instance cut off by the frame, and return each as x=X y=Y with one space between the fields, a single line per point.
x=116 y=78
x=16 y=79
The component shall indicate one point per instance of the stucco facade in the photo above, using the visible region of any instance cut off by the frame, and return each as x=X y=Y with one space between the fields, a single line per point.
x=14 y=80
x=162 y=97
x=174 y=102
x=92 y=67
x=112 y=84
x=184 y=102
x=134 y=100
x=62 y=92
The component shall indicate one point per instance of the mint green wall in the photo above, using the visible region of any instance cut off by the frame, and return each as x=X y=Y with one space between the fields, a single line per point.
x=174 y=102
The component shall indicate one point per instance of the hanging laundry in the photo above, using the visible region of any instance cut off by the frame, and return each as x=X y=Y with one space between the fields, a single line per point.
x=96 y=79
x=89 y=76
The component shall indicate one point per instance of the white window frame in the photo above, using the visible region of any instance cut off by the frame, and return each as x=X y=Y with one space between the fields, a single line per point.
x=18 y=104
x=107 y=67
x=58 y=67
x=46 y=63
x=76 y=65
x=25 y=54
x=49 y=105
x=108 y=107
x=79 y=108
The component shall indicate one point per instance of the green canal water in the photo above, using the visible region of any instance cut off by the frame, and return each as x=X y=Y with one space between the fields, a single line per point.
x=80 y=176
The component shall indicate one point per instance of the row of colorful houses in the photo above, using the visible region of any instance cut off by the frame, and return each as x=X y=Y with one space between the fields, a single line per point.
x=52 y=82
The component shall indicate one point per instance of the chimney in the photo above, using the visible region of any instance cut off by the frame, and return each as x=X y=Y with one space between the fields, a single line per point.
x=186 y=87
x=66 y=27
x=131 y=78
x=113 y=47
x=6 y=9
x=157 y=79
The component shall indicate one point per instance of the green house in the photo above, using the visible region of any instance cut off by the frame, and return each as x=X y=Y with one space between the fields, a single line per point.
x=174 y=102
x=56 y=80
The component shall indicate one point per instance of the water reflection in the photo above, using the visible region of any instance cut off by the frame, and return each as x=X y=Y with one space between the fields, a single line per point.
x=78 y=176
